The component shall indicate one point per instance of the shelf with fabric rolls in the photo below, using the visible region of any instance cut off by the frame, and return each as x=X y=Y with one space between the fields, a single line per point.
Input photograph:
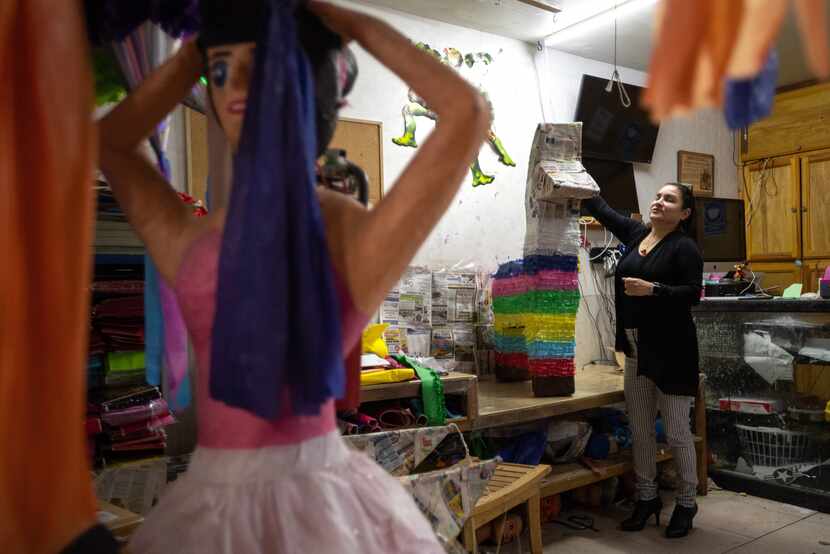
x=126 y=417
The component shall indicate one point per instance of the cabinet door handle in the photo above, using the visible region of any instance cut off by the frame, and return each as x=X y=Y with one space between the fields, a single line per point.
x=794 y=210
x=804 y=210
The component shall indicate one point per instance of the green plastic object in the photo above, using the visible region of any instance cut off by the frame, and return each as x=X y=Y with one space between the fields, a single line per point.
x=125 y=361
x=432 y=390
x=110 y=85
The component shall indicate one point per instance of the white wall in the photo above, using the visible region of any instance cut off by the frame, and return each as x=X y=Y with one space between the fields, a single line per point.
x=486 y=225
x=703 y=132
x=560 y=76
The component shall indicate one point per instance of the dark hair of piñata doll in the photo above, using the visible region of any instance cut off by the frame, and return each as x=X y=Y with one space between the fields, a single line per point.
x=335 y=68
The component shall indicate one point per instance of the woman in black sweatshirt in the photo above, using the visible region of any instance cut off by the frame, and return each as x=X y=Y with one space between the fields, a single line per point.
x=656 y=283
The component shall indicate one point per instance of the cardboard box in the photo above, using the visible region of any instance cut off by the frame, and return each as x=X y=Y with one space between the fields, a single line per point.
x=762 y=406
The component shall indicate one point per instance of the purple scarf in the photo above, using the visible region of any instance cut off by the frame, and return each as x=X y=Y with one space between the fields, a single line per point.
x=277 y=326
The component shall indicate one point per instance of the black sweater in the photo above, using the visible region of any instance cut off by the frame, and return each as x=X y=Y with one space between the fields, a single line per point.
x=667 y=339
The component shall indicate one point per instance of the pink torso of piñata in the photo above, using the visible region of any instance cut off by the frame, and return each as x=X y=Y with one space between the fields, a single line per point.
x=220 y=425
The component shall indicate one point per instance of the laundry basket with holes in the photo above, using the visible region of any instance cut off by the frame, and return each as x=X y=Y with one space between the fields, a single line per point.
x=434 y=465
x=773 y=447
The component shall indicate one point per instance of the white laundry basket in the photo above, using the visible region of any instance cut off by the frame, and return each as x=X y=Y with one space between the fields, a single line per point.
x=773 y=447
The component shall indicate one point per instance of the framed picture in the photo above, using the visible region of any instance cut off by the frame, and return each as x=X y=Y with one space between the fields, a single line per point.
x=697 y=170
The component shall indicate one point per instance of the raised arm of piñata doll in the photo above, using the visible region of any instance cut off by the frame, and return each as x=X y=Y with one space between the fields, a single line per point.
x=402 y=220
x=161 y=220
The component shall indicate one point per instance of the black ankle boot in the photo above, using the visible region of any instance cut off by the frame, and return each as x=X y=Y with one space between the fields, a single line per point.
x=681 y=521
x=642 y=511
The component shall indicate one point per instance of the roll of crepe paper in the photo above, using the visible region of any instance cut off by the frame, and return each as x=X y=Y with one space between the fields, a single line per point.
x=149 y=424
x=366 y=423
x=395 y=418
x=154 y=408
x=380 y=376
x=125 y=361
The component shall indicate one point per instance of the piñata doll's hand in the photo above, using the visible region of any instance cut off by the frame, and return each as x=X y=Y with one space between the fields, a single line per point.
x=342 y=21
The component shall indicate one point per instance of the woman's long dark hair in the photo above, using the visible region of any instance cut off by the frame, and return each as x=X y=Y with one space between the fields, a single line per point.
x=687 y=196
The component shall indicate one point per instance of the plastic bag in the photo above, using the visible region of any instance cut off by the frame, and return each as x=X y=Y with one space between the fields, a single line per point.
x=373 y=342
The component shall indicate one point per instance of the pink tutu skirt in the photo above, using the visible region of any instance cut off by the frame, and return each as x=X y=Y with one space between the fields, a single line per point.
x=317 y=497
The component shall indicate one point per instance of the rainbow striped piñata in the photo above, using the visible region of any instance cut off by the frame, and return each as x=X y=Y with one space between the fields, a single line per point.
x=536 y=299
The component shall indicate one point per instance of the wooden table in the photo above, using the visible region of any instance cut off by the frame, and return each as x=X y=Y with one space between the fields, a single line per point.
x=512 y=403
x=596 y=386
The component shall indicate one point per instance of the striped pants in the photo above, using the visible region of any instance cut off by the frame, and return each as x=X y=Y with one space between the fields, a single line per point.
x=643 y=399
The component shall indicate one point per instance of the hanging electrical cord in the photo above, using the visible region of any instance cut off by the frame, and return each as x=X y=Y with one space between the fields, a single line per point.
x=615 y=76
x=765 y=176
x=601 y=283
x=585 y=221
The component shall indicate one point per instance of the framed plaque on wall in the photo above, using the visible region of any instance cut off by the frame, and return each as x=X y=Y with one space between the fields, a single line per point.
x=697 y=170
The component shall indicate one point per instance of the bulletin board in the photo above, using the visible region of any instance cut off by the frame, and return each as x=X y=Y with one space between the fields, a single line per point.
x=362 y=141
x=196 y=125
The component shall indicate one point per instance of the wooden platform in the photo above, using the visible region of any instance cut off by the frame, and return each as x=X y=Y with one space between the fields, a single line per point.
x=512 y=403
x=566 y=477
x=596 y=386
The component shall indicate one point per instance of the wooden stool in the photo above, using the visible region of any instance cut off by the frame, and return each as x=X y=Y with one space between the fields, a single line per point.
x=511 y=485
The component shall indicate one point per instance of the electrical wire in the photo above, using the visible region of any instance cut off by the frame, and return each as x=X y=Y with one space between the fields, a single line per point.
x=606 y=303
x=594 y=320
x=765 y=175
x=625 y=100
x=749 y=286
x=585 y=221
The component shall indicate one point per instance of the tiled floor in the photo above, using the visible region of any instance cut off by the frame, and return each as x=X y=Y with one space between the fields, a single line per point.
x=727 y=522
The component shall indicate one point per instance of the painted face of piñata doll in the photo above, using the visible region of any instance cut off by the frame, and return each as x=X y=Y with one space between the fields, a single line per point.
x=230 y=31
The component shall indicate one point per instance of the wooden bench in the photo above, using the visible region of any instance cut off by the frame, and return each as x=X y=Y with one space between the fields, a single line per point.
x=511 y=486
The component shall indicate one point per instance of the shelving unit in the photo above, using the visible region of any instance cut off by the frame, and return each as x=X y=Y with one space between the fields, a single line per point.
x=461 y=384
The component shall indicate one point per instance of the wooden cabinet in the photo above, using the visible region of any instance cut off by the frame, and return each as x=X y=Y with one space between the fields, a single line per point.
x=815 y=204
x=800 y=122
x=772 y=207
x=813 y=270
x=775 y=277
